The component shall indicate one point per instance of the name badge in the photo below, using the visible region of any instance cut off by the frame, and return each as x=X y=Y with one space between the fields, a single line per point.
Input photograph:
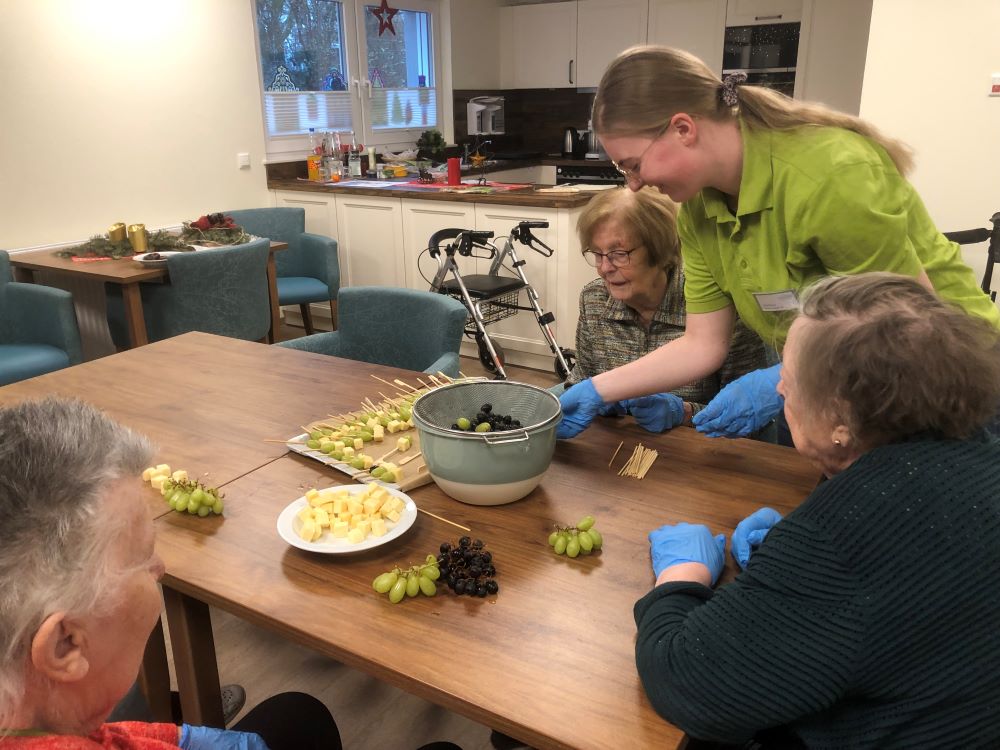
x=777 y=301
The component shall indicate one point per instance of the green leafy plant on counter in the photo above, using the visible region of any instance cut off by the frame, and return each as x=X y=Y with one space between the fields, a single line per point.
x=431 y=144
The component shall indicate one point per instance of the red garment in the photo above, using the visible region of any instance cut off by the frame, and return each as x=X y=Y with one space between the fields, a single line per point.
x=122 y=735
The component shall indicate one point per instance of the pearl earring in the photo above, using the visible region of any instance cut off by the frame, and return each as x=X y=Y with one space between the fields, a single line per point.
x=837 y=443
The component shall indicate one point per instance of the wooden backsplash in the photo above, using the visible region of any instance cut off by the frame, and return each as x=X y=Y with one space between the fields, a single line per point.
x=534 y=119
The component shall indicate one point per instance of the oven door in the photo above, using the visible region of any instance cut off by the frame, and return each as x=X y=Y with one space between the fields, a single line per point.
x=588 y=175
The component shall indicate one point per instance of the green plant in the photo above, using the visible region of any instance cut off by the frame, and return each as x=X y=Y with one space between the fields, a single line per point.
x=432 y=141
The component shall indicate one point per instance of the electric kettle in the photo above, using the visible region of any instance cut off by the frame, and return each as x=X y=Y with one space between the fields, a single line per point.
x=574 y=144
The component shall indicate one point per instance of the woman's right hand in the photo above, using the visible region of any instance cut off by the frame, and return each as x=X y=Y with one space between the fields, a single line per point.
x=580 y=404
x=744 y=406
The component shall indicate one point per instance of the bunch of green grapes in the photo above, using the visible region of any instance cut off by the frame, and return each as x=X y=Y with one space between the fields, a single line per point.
x=192 y=496
x=581 y=539
x=418 y=579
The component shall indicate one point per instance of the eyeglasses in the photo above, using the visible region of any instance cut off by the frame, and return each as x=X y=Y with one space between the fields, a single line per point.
x=632 y=173
x=617 y=258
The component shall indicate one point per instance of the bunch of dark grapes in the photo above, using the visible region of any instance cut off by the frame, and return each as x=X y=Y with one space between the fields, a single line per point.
x=468 y=568
x=487 y=421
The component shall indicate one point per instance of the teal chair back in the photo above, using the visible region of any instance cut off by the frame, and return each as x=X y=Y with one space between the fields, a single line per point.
x=406 y=328
x=221 y=291
x=38 y=328
x=309 y=270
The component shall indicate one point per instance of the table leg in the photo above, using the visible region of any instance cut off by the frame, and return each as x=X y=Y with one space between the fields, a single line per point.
x=272 y=293
x=134 y=318
x=154 y=677
x=193 y=647
x=24 y=275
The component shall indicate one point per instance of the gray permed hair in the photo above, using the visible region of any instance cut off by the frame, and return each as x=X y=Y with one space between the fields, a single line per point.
x=57 y=458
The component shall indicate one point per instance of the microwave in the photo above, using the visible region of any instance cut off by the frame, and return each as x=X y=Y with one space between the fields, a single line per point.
x=766 y=52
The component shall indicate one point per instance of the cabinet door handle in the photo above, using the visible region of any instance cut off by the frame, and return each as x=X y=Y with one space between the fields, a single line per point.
x=768 y=18
x=571 y=71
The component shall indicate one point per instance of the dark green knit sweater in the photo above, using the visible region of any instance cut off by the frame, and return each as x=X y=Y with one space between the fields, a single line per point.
x=870 y=616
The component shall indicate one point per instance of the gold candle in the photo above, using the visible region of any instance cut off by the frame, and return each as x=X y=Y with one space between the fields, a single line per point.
x=137 y=237
x=116 y=232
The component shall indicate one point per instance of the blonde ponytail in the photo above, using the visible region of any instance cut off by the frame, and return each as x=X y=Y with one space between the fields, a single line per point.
x=646 y=85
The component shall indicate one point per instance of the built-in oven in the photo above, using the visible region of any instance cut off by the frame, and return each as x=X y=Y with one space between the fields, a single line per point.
x=766 y=52
x=590 y=174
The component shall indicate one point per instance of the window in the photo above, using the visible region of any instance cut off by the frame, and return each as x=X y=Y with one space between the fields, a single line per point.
x=310 y=54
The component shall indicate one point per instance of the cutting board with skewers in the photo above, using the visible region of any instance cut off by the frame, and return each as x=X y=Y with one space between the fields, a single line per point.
x=389 y=463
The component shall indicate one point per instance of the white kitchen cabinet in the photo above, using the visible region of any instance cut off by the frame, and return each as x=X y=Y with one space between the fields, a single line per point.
x=370 y=241
x=421 y=219
x=697 y=26
x=538 y=46
x=320 y=208
x=603 y=29
x=755 y=12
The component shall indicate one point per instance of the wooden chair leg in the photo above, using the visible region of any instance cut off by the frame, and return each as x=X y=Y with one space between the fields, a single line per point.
x=307 y=319
x=333 y=315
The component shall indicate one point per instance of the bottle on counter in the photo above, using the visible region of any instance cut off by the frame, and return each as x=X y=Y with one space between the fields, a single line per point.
x=372 y=165
x=314 y=159
x=331 y=157
x=354 y=158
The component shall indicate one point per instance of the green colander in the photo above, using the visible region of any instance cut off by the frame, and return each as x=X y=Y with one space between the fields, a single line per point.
x=487 y=468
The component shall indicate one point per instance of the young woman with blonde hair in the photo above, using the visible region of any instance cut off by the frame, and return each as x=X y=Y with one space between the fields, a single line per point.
x=777 y=194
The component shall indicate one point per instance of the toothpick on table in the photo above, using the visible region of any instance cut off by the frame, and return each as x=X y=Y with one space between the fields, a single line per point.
x=616 y=453
x=423 y=384
x=463 y=375
x=410 y=458
x=397 y=381
x=384 y=381
x=446 y=378
x=434 y=515
x=285 y=442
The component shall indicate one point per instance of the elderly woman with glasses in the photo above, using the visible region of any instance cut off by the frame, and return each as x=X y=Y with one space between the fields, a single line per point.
x=867 y=617
x=776 y=194
x=637 y=304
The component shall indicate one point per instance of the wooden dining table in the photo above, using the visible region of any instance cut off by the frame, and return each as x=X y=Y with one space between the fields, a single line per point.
x=548 y=660
x=128 y=274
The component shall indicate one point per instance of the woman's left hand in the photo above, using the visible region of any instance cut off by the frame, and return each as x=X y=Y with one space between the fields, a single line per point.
x=657 y=413
x=675 y=544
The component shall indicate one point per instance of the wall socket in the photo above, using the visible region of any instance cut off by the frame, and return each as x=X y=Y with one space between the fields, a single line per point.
x=243 y=160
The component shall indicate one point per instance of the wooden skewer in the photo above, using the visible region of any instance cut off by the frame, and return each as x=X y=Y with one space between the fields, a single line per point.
x=434 y=515
x=394 y=450
x=434 y=380
x=399 y=382
x=407 y=460
x=285 y=442
x=305 y=429
x=446 y=378
x=383 y=381
x=616 y=453
x=462 y=375
x=423 y=384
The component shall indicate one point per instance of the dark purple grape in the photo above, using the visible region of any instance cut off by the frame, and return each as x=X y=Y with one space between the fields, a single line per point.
x=486 y=557
x=491 y=587
x=486 y=408
x=464 y=541
x=481 y=590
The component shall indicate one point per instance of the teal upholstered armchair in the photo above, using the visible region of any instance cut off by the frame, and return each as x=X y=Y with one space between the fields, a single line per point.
x=38 y=328
x=309 y=270
x=403 y=328
x=221 y=291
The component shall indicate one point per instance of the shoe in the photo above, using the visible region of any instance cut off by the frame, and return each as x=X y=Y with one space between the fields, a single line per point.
x=502 y=741
x=233 y=699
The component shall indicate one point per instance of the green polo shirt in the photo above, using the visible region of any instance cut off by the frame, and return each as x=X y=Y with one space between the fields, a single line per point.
x=814 y=202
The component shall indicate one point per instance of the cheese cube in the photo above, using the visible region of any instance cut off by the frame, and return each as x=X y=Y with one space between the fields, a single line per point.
x=359 y=444
x=392 y=515
x=321 y=517
x=354 y=507
x=158 y=480
x=369 y=461
x=364 y=527
x=372 y=504
x=305 y=513
x=403 y=444
x=338 y=445
x=379 y=432
x=308 y=530
x=339 y=505
x=163 y=469
x=355 y=536
x=148 y=473
x=348 y=452
x=394 y=425
x=378 y=527
x=310 y=494
x=345 y=516
x=339 y=529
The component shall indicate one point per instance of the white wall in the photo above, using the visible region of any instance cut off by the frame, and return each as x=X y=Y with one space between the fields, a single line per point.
x=833 y=55
x=125 y=110
x=926 y=81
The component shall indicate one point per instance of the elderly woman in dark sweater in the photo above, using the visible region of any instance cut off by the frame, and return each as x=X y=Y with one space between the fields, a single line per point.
x=868 y=616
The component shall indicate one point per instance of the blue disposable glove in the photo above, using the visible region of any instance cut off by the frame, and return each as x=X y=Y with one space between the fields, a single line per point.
x=743 y=406
x=657 y=413
x=750 y=532
x=616 y=409
x=580 y=404
x=674 y=544
x=209 y=738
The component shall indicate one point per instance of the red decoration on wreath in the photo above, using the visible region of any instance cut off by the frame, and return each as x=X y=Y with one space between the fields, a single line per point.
x=385 y=14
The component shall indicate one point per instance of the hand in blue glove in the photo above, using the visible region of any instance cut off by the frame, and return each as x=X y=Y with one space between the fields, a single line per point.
x=750 y=532
x=580 y=404
x=657 y=413
x=209 y=738
x=616 y=409
x=683 y=543
x=743 y=406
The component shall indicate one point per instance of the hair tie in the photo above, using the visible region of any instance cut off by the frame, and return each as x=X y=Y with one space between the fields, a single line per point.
x=727 y=92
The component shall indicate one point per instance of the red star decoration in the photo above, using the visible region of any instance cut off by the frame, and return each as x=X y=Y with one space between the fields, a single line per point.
x=385 y=14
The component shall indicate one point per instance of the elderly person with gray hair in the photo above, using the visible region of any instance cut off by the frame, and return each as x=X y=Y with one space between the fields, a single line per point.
x=79 y=593
x=637 y=304
x=865 y=618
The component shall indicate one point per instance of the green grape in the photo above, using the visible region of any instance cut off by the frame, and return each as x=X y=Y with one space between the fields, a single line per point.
x=385 y=581
x=561 y=543
x=383 y=420
x=327 y=448
x=337 y=455
x=366 y=436
x=217 y=507
x=595 y=537
x=398 y=590
x=377 y=471
x=199 y=495
x=312 y=444
x=432 y=572
x=193 y=505
x=404 y=413
x=426 y=585
x=358 y=463
x=327 y=431
x=204 y=510
x=573 y=546
x=412 y=584
x=586 y=541
x=483 y=427
x=315 y=434
x=430 y=560
x=463 y=423
x=552 y=538
x=181 y=500
x=585 y=523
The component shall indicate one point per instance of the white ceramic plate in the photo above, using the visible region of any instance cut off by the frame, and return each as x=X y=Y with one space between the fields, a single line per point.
x=288 y=524
x=141 y=258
